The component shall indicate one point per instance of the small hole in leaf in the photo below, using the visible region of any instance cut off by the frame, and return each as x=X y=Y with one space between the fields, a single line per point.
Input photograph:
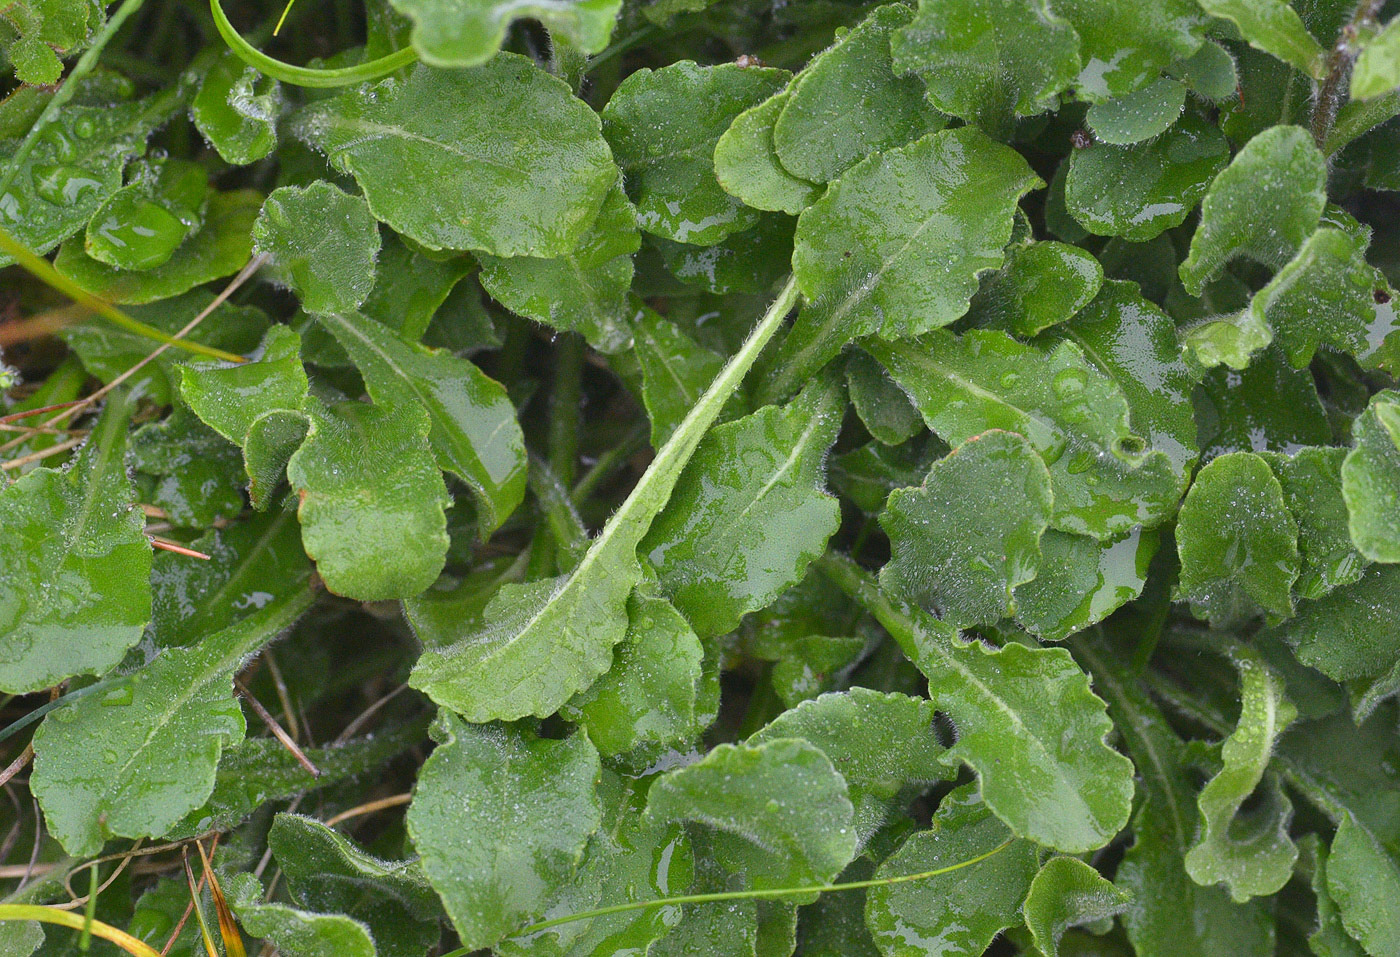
x=1382 y=297
x=1082 y=139
x=1130 y=445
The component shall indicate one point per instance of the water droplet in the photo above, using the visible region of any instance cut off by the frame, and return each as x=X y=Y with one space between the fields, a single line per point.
x=64 y=185
x=1080 y=463
x=1069 y=383
x=84 y=127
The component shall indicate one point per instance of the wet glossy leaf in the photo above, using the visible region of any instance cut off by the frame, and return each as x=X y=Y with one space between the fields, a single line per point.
x=236 y=109
x=949 y=198
x=749 y=512
x=142 y=224
x=102 y=765
x=675 y=372
x=1139 y=115
x=1376 y=72
x=1330 y=939
x=777 y=812
x=882 y=406
x=882 y=744
x=77 y=560
x=371 y=500
x=989 y=61
x=962 y=541
x=472 y=426
x=498 y=859
x=1238 y=542
x=848 y=103
x=1075 y=417
x=1312 y=487
x=1270 y=406
x=1140 y=190
x=1041 y=285
x=1264 y=206
x=457 y=33
x=1346 y=633
x=1124 y=47
x=750 y=261
x=321 y=242
x=439 y=177
x=1364 y=878
x=1210 y=71
x=747 y=164
x=1371 y=479
x=1082 y=582
x=1066 y=893
x=1274 y=27
x=663 y=126
x=411 y=286
x=959 y=913
x=1249 y=852
x=196 y=471
x=220 y=248
x=296 y=932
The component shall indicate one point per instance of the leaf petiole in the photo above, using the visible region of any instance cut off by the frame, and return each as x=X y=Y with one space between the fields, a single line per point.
x=50 y=915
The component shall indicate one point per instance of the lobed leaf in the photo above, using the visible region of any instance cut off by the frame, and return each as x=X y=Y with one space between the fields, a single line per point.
x=1065 y=893
x=1371 y=479
x=320 y=241
x=458 y=33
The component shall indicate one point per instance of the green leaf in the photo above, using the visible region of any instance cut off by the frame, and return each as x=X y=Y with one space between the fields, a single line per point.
x=848 y=103
x=371 y=500
x=411 y=286
x=1123 y=47
x=1065 y=893
x=962 y=541
x=1348 y=633
x=959 y=913
x=1237 y=541
x=220 y=248
x=947 y=198
x=1364 y=879
x=1249 y=852
x=1027 y=723
x=883 y=408
x=457 y=33
x=1104 y=481
x=1371 y=479
x=1139 y=115
x=236 y=109
x=663 y=126
x=102 y=766
x=76 y=593
x=1312 y=486
x=1264 y=205
x=195 y=470
x=1210 y=71
x=1081 y=582
x=989 y=61
x=46 y=28
x=1274 y=27
x=497 y=859
x=882 y=744
x=675 y=372
x=629 y=858
x=514 y=665
x=1140 y=190
x=1330 y=939
x=648 y=696
x=1377 y=71
x=295 y=932
x=748 y=514
x=516 y=139
x=777 y=812
x=750 y=261
x=321 y=242
x=1041 y=285
x=1267 y=406
x=583 y=291
x=472 y=426
x=142 y=224
x=747 y=164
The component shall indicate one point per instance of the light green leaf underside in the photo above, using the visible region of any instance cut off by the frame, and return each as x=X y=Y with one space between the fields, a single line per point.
x=1377 y=69
x=458 y=33
x=1065 y=893
x=1371 y=479
x=747 y=164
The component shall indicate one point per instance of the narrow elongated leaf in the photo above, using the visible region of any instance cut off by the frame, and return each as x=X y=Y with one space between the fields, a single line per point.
x=1075 y=416
x=970 y=534
x=544 y=641
x=320 y=241
x=663 y=126
x=1264 y=205
x=497 y=859
x=1250 y=853
x=882 y=744
x=959 y=913
x=457 y=33
x=989 y=61
x=1027 y=722
x=747 y=164
x=1067 y=892
x=1237 y=541
x=848 y=103
x=777 y=812
x=749 y=513
x=516 y=139
x=948 y=197
x=1274 y=27
x=102 y=766
x=1371 y=479
x=76 y=593
x=472 y=426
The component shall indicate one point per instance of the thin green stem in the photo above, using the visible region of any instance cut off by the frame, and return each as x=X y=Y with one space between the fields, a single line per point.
x=18 y=726
x=769 y=894
x=41 y=269
x=621 y=46
x=608 y=463
x=305 y=76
